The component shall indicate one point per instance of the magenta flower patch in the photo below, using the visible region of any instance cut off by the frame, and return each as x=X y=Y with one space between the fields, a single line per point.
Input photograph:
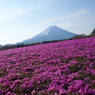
x=58 y=68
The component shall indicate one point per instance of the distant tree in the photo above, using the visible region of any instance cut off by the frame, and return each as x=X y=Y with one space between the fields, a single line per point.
x=79 y=36
x=93 y=32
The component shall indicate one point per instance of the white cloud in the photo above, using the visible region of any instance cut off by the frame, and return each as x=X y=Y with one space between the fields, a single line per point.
x=77 y=20
x=68 y=20
x=11 y=14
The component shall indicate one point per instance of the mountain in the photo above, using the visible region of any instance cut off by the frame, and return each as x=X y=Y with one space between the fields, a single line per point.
x=49 y=34
x=9 y=44
x=0 y=45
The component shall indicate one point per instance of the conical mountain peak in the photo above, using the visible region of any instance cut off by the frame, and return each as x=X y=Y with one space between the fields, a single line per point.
x=49 y=34
x=50 y=29
x=52 y=26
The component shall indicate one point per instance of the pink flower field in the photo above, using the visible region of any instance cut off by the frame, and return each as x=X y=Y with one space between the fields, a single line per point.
x=59 y=68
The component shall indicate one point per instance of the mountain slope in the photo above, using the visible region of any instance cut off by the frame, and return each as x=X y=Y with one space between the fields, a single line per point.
x=51 y=33
x=9 y=44
x=0 y=45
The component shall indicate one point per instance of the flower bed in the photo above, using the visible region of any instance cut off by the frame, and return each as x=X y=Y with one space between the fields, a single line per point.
x=59 y=68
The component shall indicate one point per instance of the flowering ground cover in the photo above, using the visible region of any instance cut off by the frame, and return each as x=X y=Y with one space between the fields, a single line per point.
x=59 y=68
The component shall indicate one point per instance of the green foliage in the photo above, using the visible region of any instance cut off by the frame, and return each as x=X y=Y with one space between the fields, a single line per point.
x=93 y=32
x=79 y=36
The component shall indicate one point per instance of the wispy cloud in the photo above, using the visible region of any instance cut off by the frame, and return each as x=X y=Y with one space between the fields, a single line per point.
x=68 y=20
x=11 y=14
x=77 y=19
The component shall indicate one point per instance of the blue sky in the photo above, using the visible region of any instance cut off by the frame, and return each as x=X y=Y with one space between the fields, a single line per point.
x=23 y=19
